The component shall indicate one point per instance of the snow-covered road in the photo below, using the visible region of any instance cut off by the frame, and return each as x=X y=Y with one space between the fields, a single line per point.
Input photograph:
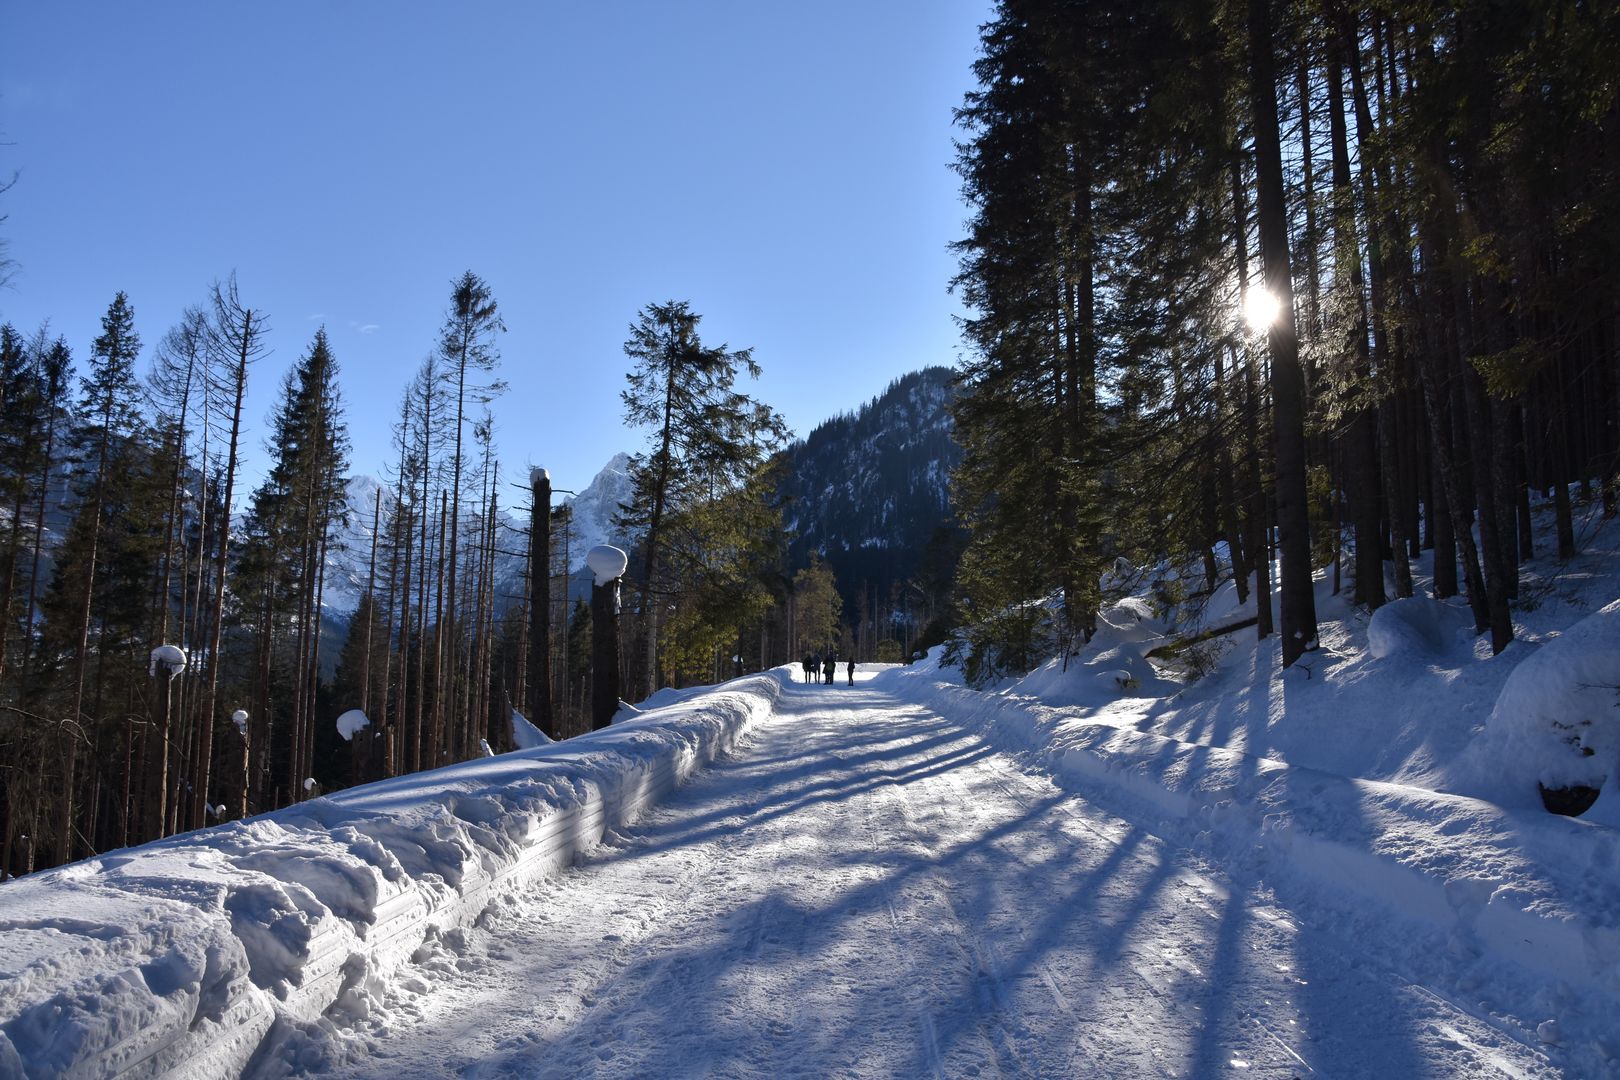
x=867 y=889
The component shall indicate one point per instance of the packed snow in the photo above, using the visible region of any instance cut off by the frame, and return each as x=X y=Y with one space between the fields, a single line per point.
x=866 y=887
x=1106 y=867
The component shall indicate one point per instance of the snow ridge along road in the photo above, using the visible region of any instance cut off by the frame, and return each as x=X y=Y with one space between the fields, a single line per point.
x=189 y=956
x=866 y=887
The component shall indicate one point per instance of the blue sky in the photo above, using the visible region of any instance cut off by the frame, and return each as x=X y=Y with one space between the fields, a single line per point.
x=784 y=167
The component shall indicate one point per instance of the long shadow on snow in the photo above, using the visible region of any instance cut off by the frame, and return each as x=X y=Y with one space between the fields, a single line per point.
x=842 y=776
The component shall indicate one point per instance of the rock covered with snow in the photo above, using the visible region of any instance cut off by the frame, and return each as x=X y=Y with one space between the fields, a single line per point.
x=1557 y=719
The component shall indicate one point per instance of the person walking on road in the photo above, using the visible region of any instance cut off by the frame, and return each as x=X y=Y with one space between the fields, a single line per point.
x=852 y=672
x=829 y=670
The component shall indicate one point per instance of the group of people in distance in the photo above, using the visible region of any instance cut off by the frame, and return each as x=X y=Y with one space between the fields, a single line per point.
x=817 y=669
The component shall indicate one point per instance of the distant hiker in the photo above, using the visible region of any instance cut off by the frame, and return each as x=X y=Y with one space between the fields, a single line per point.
x=830 y=669
x=852 y=673
x=809 y=667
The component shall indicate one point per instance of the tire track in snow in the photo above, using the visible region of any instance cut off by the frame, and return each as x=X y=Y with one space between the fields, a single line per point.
x=983 y=961
x=924 y=1017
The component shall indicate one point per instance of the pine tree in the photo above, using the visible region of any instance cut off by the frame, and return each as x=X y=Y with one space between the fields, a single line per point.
x=706 y=440
x=816 y=608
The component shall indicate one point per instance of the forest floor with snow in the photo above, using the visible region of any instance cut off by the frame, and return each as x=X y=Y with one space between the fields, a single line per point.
x=1101 y=868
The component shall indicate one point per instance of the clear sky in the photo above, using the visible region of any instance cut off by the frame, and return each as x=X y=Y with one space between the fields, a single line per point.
x=784 y=167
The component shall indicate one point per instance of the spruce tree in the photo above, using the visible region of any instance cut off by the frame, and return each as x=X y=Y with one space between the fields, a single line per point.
x=706 y=440
x=293 y=517
x=108 y=421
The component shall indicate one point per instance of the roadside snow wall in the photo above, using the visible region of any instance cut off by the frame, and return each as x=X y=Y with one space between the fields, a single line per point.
x=178 y=956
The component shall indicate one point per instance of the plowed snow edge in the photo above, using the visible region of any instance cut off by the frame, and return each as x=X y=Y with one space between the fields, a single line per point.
x=176 y=957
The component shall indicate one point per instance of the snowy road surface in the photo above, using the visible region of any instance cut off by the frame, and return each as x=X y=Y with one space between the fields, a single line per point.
x=866 y=890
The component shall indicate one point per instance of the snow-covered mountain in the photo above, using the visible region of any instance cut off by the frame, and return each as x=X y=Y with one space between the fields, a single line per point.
x=595 y=506
x=348 y=561
x=869 y=490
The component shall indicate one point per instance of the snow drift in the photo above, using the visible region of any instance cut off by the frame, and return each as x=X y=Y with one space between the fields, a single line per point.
x=1557 y=721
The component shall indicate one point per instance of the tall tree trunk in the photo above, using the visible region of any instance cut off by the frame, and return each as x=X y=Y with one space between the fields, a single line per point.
x=437 y=743
x=1297 y=598
x=649 y=603
x=1360 y=437
x=537 y=677
x=216 y=622
x=1258 y=550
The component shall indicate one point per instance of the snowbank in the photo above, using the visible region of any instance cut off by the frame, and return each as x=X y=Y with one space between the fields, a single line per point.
x=1557 y=720
x=182 y=955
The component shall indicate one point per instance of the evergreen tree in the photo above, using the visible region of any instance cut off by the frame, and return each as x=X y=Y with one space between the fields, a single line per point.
x=816 y=609
x=706 y=442
x=292 y=522
x=1422 y=386
x=108 y=421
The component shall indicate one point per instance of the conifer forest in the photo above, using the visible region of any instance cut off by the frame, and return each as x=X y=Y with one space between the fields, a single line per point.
x=1287 y=286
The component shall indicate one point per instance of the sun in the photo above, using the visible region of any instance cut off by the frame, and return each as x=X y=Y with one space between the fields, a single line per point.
x=1260 y=309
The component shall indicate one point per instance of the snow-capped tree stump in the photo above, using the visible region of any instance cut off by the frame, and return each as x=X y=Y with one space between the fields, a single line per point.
x=607 y=565
x=170 y=660
x=240 y=719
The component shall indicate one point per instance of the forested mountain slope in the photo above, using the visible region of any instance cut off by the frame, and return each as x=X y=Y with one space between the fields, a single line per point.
x=869 y=491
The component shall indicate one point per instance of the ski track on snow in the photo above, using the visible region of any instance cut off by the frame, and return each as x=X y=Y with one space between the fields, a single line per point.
x=865 y=889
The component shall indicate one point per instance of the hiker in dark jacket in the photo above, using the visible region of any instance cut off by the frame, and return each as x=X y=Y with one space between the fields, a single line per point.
x=829 y=670
x=852 y=672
